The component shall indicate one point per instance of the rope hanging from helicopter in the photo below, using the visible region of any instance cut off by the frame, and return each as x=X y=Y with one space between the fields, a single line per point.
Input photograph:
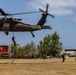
x=14 y=51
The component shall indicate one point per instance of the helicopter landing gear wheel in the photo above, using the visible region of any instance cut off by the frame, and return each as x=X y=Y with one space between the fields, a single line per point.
x=32 y=34
x=6 y=32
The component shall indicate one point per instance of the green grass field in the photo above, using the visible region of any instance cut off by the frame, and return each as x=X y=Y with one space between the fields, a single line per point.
x=53 y=66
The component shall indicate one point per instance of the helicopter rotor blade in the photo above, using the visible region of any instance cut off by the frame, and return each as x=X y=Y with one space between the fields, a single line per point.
x=47 y=8
x=2 y=12
x=51 y=15
x=6 y=14
x=41 y=10
x=23 y=13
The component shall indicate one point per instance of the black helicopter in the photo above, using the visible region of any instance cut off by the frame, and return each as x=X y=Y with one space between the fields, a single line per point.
x=15 y=25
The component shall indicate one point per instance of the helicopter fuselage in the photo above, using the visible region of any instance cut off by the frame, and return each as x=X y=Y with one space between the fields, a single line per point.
x=19 y=27
x=15 y=25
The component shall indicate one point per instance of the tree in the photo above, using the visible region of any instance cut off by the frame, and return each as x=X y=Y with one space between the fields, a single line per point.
x=30 y=47
x=21 y=52
x=50 y=45
x=18 y=51
x=14 y=49
x=30 y=50
x=56 y=45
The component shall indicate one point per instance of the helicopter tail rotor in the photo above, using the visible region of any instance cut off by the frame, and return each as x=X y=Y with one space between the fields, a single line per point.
x=46 y=12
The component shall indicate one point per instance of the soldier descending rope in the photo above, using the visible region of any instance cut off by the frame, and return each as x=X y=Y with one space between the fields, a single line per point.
x=14 y=51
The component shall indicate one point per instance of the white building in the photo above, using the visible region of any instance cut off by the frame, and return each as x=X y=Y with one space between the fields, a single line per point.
x=70 y=52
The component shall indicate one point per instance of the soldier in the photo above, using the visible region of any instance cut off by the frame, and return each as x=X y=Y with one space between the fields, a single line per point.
x=63 y=57
x=13 y=39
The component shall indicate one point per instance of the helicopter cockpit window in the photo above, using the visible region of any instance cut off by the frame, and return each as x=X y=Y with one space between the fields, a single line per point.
x=6 y=26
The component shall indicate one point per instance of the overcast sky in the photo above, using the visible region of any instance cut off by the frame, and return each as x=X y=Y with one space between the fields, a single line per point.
x=64 y=22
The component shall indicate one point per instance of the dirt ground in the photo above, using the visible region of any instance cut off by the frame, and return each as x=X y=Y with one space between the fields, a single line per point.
x=53 y=66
